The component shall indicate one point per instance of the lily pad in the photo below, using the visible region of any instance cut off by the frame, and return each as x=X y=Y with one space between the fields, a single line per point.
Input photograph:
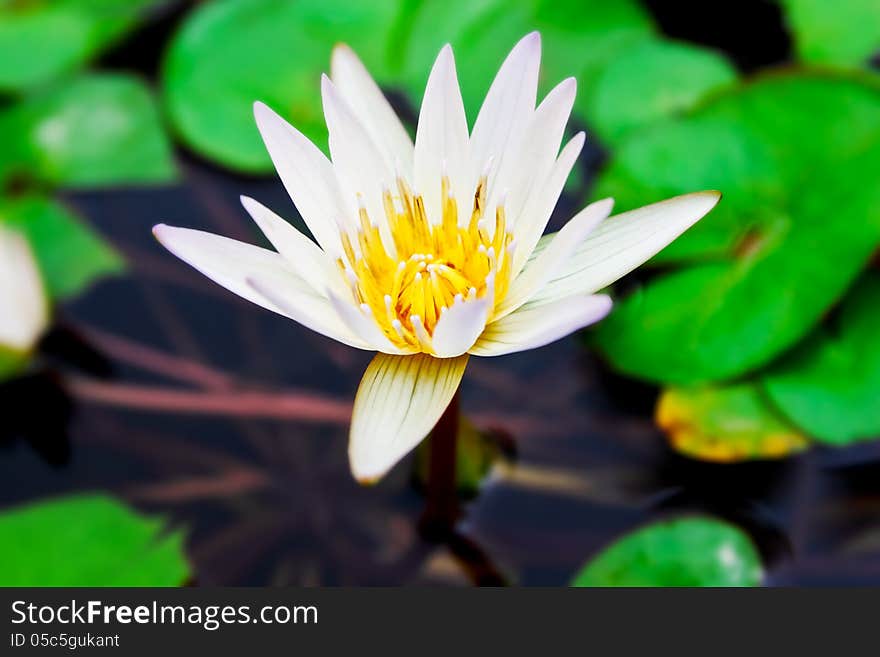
x=830 y=385
x=70 y=255
x=42 y=39
x=579 y=38
x=96 y=130
x=726 y=424
x=87 y=540
x=231 y=53
x=842 y=32
x=649 y=81
x=790 y=152
x=12 y=362
x=688 y=551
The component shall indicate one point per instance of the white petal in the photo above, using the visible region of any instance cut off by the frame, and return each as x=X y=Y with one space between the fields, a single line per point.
x=533 y=326
x=508 y=107
x=539 y=206
x=227 y=261
x=313 y=312
x=460 y=325
x=398 y=402
x=552 y=259
x=307 y=175
x=24 y=309
x=442 y=140
x=360 y=321
x=238 y=266
x=368 y=102
x=304 y=256
x=363 y=171
x=623 y=242
x=529 y=171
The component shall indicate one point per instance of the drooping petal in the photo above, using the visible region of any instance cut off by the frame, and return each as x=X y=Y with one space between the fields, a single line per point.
x=508 y=107
x=539 y=206
x=622 y=243
x=460 y=325
x=304 y=256
x=398 y=402
x=532 y=326
x=363 y=170
x=238 y=266
x=442 y=141
x=552 y=259
x=371 y=107
x=24 y=308
x=307 y=176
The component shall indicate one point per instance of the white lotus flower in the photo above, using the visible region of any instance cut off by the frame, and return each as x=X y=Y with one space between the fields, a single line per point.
x=432 y=252
x=24 y=309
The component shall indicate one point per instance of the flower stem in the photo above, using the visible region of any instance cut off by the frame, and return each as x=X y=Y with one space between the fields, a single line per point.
x=442 y=509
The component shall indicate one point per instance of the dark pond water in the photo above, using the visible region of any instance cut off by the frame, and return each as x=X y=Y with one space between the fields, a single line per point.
x=231 y=421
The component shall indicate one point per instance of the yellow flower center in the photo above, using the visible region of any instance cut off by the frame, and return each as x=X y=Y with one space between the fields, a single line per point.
x=430 y=265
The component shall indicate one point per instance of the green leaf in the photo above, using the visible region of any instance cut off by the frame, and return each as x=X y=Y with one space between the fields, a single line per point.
x=43 y=39
x=476 y=453
x=231 y=53
x=649 y=81
x=96 y=130
x=11 y=362
x=87 y=540
x=841 y=32
x=726 y=424
x=790 y=152
x=830 y=385
x=689 y=551
x=578 y=38
x=69 y=254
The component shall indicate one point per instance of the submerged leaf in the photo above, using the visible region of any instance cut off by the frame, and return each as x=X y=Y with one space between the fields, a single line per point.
x=69 y=254
x=96 y=130
x=790 y=152
x=726 y=424
x=830 y=386
x=87 y=540
x=11 y=362
x=476 y=453
x=689 y=551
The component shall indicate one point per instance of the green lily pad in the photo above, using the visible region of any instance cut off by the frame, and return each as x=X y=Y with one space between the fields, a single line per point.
x=649 y=81
x=689 y=551
x=12 y=362
x=70 y=255
x=42 y=39
x=87 y=540
x=231 y=53
x=790 y=152
x=842 y=32
x=96 y=130
x=830 y=385
x=726 y=424
x=578 y=38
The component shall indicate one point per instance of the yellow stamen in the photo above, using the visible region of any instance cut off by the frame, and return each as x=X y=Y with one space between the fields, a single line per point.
x=436 y=263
